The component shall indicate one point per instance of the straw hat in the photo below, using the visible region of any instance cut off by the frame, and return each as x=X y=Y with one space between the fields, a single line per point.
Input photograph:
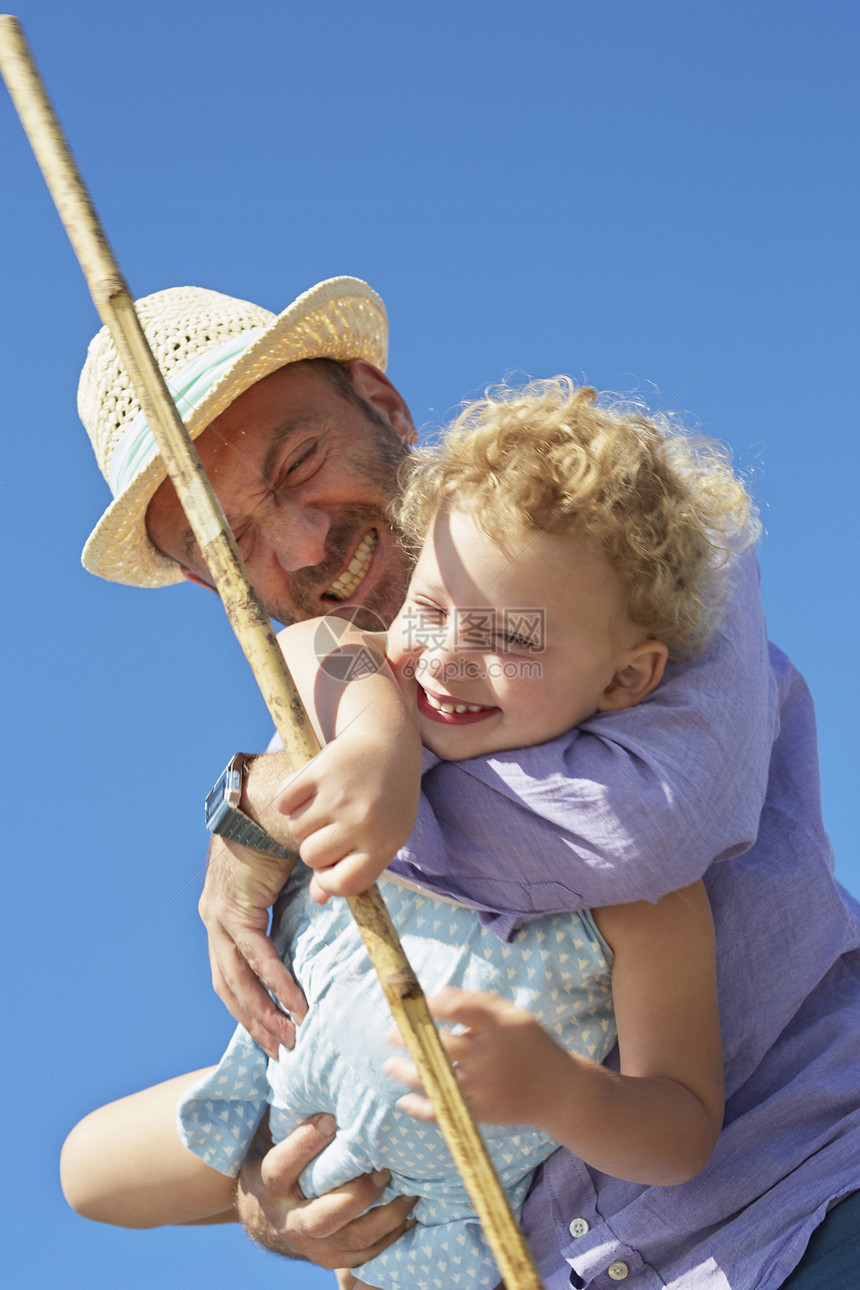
x=210 y=348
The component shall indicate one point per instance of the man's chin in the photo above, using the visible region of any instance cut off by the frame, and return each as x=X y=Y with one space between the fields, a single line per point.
x=374 y=613
x=378 y=610
x=360 y=616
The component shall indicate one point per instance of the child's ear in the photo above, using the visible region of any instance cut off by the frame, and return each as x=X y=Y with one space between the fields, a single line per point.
x=640 y=673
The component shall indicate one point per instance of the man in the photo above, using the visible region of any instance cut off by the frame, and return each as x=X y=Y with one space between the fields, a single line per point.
x=302 y=451
x=306 y=433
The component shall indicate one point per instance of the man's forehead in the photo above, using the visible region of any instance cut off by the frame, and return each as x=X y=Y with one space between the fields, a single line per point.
x=293 y=389
x=256 y=435
x=266 y=422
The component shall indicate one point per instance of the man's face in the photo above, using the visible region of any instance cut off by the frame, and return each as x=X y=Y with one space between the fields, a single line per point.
x=304 y=476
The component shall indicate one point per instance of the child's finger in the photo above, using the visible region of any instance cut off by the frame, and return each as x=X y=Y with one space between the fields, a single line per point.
x=324 y=845
x=345 y=877
x=296 y=791
x=420 y=1108
x=474 y=1009
x=340 y=872
x=404 y=1070
x=453 y=1005
x=317 y=892
x=306 y=820
x=455 y=1046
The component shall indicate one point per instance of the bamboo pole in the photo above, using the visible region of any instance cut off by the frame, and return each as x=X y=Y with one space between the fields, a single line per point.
x=115 y=306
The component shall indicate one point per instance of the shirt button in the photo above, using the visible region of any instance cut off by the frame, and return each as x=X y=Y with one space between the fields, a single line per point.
x=618 y=1271
x=578 y=1227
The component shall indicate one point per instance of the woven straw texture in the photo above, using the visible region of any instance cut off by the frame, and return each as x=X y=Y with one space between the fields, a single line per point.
x=342 y=318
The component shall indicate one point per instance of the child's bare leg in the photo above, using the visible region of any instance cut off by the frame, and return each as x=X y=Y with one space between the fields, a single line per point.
x=125 y=1164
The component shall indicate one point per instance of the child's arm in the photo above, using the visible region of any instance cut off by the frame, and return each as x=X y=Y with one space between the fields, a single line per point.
x=658 y=1119
x=125 y=1164
x=355 y=804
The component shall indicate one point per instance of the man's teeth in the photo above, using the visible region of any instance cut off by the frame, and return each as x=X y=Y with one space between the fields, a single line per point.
x=452 y=707
x=343 y=587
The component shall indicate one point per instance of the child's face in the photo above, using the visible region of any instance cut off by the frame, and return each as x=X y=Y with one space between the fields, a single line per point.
x=509 y=646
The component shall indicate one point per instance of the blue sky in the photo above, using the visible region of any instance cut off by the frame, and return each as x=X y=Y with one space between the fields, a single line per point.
x=657 y=196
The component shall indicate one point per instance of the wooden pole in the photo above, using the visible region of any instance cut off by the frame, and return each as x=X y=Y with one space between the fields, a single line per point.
x=115 y=306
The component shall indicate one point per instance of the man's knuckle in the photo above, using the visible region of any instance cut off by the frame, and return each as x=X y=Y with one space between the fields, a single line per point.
x=356 y=1242
x=303 y=1229
x=273 y=1241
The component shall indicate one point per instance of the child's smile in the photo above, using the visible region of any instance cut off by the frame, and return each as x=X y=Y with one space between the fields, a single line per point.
x=450 y=711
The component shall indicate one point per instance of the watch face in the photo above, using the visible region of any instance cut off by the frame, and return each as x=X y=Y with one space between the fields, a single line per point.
x=215 y=806
x=223 y=796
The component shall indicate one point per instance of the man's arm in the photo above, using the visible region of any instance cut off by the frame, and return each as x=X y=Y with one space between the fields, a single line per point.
x=241 y=885
x=351 y=808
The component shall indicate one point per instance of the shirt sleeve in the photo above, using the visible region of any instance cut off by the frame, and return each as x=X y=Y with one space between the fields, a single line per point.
x=628 y=806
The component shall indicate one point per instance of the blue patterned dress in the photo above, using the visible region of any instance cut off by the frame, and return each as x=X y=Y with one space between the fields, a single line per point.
x=557 y=967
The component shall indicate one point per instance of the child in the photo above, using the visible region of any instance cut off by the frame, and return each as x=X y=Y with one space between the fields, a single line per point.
x=568 y=550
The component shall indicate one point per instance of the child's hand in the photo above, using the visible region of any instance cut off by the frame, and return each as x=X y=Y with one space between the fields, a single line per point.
x=351 y=809
x=508 y=1066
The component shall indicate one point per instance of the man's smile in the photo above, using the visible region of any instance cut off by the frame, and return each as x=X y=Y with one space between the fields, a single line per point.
x=348 y=582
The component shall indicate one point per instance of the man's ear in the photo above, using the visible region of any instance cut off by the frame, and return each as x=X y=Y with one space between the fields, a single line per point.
x=375 y=388
x=640 y=673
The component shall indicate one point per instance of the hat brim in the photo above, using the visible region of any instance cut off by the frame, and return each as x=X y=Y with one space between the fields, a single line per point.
x=341 y=318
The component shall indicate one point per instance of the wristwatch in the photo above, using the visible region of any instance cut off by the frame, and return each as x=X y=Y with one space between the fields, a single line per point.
x=224 y=817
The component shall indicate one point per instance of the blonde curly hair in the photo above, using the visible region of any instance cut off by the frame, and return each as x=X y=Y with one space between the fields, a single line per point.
x=663 y=504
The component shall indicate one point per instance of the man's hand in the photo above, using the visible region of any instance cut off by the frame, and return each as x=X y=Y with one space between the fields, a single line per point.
x=240 y=887
x=333 y=1231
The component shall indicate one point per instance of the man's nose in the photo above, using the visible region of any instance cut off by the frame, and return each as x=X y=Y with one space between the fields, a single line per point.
x=297 y=536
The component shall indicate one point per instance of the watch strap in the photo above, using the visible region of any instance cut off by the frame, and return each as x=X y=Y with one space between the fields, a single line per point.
x=236 y=826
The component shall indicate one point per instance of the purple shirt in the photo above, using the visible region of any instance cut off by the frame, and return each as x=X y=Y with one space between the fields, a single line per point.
x=719 y=764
